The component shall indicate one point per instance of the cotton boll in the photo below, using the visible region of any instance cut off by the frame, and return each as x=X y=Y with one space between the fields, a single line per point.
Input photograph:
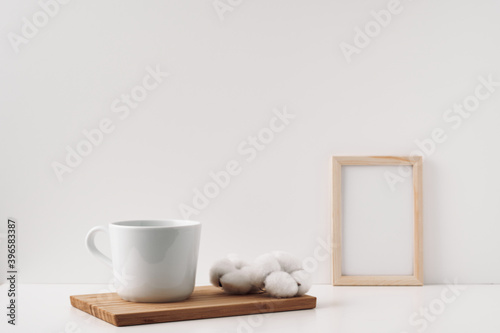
x=233 y=275
x=237 y=282
x=288 y=262
x=237 y=261
x=280 y=273
x=262 y=267
x=281 y=284
x=249 y=271
x=219 y=268
x=267 y=260
x=304 y=281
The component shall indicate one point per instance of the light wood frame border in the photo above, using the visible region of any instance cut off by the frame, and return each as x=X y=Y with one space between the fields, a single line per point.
x=393 y=280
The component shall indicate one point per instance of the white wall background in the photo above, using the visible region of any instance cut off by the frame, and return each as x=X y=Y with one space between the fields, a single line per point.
x=226 y=78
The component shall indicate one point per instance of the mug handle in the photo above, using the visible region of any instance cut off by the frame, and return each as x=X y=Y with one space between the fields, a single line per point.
x=89 y=241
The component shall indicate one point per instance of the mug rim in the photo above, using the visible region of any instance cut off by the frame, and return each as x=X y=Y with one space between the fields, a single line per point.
x=176 y=223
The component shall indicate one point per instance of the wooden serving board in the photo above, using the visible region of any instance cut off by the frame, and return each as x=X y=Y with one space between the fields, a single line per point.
x=205 y=302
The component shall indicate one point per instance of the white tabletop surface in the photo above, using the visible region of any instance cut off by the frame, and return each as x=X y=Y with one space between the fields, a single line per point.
x=436 y=308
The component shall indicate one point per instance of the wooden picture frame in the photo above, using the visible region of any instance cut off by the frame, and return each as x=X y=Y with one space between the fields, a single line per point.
x=376 y=280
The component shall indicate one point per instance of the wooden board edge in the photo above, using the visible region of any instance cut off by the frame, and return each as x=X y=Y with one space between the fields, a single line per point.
x=93 y=310
x=76 y=302
x=265 y=306
x=208 y=312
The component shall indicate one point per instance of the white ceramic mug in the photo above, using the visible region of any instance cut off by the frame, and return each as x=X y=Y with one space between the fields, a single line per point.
x=152 y=261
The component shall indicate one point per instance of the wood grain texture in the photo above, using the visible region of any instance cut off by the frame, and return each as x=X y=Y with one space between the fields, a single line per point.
x=205 y=302
x=343 y=280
